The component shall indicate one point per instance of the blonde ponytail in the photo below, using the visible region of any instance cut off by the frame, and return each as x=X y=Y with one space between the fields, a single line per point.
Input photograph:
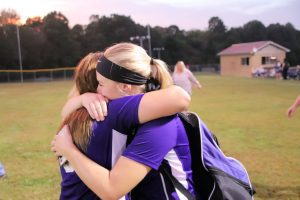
x=160 y=72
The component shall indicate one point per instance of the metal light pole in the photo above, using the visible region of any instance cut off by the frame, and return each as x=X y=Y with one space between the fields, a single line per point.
x=141 y=42
x=19 y=52
x=158 y=49
x=141 y=38
x=149 y=40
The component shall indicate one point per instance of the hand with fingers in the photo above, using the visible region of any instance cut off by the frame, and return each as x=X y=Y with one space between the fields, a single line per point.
x=62 y=142
x=199 y=86
x=95 y=104
x=291 y=111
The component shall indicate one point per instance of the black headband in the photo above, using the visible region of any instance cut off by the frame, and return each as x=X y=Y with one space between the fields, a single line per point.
x=117 y=73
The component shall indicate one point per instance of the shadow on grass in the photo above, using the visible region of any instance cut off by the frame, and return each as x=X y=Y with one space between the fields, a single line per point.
x=276 y=192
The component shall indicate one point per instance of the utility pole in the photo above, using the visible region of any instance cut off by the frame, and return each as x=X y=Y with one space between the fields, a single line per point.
x=149 y=40
x=158 y=49
x=20 y=55
x=141 y=38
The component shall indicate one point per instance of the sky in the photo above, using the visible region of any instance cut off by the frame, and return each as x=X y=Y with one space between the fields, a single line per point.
x=186 y=14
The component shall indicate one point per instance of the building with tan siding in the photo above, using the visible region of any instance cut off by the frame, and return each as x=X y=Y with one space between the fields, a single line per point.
x=244 y=58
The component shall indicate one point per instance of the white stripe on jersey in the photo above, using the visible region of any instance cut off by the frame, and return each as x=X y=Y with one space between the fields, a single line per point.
x=118 y=146
x=180 y=195
x=177 y=170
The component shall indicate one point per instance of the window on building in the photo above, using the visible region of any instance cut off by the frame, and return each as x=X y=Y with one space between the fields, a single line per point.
x=245 y=61
x=268 y=60
x=264 y=60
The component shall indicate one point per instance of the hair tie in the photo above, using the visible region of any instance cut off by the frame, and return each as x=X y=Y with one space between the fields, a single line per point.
x=151 y=61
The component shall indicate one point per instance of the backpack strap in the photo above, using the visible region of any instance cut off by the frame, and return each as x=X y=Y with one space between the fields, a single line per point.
x=164 y=170
x=200 y=172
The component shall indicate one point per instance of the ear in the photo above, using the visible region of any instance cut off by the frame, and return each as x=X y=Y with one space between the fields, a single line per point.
x=126 y=88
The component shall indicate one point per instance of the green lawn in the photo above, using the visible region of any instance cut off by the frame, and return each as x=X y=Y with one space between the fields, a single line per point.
x=247 y=115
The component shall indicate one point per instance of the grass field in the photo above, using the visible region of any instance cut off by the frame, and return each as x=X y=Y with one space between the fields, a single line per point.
x=247 y=115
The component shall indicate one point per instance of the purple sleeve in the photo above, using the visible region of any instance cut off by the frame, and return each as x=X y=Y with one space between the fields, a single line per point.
x=123 y=112
x=152 y=142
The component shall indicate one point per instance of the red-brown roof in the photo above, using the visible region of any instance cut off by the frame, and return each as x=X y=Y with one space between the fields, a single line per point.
x=249 y=48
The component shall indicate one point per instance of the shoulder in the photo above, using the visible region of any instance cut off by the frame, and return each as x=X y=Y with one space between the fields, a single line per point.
x=125 y=101
x=162 y=127
x=160 y=121
x=123 y=112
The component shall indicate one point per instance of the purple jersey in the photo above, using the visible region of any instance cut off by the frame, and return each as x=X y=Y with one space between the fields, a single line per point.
x=107 y=143
x=155 y=141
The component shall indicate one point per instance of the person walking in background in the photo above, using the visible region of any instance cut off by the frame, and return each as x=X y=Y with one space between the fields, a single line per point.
x=292 y=109
x=285 y=69
x=184 y=78
x=277 y=69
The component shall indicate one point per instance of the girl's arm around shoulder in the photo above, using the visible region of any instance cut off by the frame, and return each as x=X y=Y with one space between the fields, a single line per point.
x=93 y=102
x=113 y=184
x=163 y=103
x=71 y=105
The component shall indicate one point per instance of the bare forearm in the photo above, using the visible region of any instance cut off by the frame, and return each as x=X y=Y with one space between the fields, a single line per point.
x=163 y=103
x=297 y=102
x=71 y=105
x=113 y=184
x=93 y=175
x=178 y=100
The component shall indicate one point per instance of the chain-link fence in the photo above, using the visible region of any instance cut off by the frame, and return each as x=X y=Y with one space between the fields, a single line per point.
x=68 y=72
x=209 y=68
x=36 y=75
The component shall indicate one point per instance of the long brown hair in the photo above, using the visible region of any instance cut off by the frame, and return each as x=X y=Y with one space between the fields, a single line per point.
x=79 y=121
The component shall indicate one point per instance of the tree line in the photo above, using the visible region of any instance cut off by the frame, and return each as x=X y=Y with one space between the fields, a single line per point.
x=49 y=42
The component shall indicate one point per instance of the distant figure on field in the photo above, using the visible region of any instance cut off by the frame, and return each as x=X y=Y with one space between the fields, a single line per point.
x=2 y=171
x=259 y=72
x=184 y=78
x=292 y=109
x=277 y=69
x=285 y=69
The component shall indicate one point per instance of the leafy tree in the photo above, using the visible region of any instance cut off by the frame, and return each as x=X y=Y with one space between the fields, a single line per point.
x=195 y=40
x=9 y=16
x=173 y=30
x=216 y=25
x=32 y=42
x=94 y=39
x=105 y=31
x=8 y=39
x=49 y=42
x=77 y=36
x=216 y=37
x=8 y=47
x=234 y=35
x=59 y=48
x=35 y=22
x=254 y=31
